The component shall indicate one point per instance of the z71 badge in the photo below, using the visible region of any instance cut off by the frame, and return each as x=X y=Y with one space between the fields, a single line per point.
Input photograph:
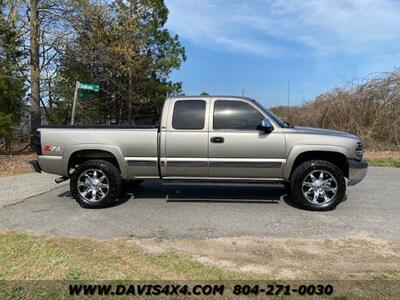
x=51 y=148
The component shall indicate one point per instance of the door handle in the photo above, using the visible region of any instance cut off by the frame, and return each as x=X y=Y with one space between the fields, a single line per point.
x=217 y=139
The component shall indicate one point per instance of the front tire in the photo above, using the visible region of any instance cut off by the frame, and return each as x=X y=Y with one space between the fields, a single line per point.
x=318 y=185
x=96 y=183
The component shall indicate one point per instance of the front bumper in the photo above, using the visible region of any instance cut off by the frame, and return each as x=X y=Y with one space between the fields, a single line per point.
x=357 y=171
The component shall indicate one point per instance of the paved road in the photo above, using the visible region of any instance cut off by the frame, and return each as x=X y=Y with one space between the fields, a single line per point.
x=19 y=187
x=372 y=209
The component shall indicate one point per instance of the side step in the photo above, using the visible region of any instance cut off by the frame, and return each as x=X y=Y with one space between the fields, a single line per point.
x=222 y=183
x=61 y=179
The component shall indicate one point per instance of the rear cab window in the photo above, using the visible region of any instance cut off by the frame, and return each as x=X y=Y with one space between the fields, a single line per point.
x=189 y=115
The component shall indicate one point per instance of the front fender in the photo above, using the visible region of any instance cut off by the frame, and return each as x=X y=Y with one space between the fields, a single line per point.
x=114 y=150
x=299 y=149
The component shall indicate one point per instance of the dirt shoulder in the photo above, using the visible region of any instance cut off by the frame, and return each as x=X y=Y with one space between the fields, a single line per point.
x=15 y=164
x=26 y=256
x=291 y=259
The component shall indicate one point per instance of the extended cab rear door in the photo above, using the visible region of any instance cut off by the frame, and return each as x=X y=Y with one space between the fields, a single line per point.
x=185 y=137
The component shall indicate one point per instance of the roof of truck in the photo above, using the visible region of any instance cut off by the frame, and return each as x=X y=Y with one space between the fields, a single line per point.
x=213 y=96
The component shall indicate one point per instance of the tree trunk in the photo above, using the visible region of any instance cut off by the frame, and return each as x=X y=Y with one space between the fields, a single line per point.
x=34 y=66
x=7 y=142
x=130 y=97
x=130 y=94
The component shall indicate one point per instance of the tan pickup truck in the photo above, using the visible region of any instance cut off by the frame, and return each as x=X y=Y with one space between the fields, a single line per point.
x=204 y=138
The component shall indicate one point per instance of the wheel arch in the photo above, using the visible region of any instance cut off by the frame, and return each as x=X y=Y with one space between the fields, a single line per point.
x=335 y=155
x=80 y=153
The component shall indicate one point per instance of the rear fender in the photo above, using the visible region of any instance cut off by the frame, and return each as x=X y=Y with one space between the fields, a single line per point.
x=103 y=147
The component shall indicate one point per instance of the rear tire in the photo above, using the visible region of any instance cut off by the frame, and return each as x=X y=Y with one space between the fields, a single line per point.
x=96 y=183
x=318 y=185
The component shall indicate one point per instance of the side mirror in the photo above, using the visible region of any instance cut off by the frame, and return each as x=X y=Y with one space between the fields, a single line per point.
x=266 y=126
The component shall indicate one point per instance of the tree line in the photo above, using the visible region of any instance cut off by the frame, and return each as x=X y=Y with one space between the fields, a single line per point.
x=48 y=45
x=123 y=45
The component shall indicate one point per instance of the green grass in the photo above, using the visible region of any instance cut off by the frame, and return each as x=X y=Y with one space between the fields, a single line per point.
x=29 y=257
x=384 y=162
x=53 y=262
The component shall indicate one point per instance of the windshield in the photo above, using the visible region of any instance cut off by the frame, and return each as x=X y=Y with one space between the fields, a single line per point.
x=273 y=116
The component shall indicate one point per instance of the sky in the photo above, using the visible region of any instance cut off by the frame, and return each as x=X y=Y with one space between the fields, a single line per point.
x=256 y=47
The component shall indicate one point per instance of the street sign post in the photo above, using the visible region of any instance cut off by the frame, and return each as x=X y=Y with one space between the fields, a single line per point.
x=83 y=86
x=74 y=103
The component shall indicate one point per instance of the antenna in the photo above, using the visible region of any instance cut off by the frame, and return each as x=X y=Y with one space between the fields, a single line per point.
x=243 y=90
x=288 y=99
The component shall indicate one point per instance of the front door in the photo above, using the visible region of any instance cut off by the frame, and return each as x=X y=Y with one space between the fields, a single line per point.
x=237 y=149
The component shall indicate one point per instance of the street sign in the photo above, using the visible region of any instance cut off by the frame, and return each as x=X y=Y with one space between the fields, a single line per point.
x=89 y=86
x=82 y=86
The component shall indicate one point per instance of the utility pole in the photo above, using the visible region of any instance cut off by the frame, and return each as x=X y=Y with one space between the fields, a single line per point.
x=76 y=94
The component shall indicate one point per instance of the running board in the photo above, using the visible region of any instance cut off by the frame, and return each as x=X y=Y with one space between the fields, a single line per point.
x=219 y=182
x=61 y=179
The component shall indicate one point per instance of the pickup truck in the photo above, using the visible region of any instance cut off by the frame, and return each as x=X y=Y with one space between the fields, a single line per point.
x=203 y=138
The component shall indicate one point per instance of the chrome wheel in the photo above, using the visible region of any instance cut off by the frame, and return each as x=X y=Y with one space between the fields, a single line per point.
x=93 y=185
x=319 y=187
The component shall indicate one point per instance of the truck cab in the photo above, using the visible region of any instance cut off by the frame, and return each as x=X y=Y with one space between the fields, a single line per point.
x=219 y=138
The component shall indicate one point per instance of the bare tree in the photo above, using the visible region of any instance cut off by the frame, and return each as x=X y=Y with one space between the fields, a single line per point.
x=370 y=108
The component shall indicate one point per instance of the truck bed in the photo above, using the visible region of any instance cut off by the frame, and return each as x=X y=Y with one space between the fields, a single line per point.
x=101 y=126
x=135 y=147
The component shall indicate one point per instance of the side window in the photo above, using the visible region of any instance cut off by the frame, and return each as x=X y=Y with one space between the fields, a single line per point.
x=189 y=114
x=235 y=115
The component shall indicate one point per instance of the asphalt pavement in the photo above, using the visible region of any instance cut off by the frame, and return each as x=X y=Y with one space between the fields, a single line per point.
x=19 y=187
x=154 y=209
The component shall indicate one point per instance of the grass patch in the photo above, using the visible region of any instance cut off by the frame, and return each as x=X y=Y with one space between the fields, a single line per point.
x=383 y=158
x=29 y=257
x=384 y=162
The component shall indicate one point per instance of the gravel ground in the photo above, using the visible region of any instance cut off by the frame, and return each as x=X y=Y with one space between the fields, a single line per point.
x=202 y=211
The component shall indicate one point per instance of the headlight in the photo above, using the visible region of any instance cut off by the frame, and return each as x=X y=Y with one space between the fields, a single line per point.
x=359 y=151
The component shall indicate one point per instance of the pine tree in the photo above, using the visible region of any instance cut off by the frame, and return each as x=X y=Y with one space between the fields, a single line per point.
x=11 y=82
x=124 y=47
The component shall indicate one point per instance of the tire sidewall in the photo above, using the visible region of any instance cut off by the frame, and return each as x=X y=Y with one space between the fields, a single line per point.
x=303 y=170
x=113 y=176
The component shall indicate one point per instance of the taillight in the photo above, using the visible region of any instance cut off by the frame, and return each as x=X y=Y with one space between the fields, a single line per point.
x=37 y=143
